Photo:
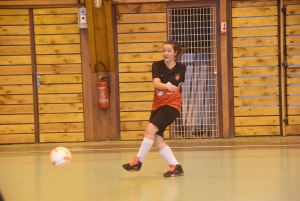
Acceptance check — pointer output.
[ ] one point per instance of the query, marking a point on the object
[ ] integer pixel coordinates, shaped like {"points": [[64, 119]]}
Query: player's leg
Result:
{"points": [[166, 152], [170, 114], [159, 121], [136, 164]]}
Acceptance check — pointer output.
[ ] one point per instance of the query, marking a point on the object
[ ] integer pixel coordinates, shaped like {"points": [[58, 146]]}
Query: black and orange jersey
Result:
{"points": [[174, 76]]}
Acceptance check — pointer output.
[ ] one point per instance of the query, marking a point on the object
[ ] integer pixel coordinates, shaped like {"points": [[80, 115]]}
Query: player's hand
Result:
{"points": [[172, 88]]}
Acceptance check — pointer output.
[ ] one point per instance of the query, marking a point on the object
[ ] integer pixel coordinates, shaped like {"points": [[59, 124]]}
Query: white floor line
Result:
{"points": [[189, 147]]}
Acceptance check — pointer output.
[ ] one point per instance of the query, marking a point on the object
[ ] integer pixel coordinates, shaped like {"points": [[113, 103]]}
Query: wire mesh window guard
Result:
{"points": [[195, 30]]}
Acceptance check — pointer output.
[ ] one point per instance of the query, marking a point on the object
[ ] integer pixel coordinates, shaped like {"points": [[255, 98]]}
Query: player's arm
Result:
{"points": [[162, 86]]}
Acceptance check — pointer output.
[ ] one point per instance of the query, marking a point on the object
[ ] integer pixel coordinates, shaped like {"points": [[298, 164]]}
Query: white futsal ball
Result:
{"points": [[60, 156]]}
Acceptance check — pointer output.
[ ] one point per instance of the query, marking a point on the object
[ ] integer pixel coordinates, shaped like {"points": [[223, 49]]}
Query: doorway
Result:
{"points": [[195, 29]]}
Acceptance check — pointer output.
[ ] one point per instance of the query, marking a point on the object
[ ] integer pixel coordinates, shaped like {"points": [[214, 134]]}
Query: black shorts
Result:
{"points": [[163, 117]]}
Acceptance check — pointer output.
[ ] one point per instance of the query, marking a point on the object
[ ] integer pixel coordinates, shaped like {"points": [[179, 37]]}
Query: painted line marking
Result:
{"points": [[188, 147]]}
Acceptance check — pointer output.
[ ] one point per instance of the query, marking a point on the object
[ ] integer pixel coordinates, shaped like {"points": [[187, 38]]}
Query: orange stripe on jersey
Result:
{"points": [[165, 97]]}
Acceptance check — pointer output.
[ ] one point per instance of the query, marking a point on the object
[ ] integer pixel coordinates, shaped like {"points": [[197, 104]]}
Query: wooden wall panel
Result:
{"points": [[255, 12], [256, 121], [139, 77], [19, 89], [57, 29], [11, 40], [14, 50], [54, 11], [248, 31], [16, 92], [59, 68], [16, 99], [53, 19], [63, 108], [60, 98], [135, 67], [138, 38], [58, 60], [137, 106], [145, 86], [253, 21], [16, 69], [140, 28], [139, 47], [57, 39], [134, 116], [293, 100], [19, 79], [293, 40], [61, 78], [133, 125], [142, 8], [15, 60], [16, 109], [61, 127], [55, 89], [14, 20], [140, 1], [141, 33], [255, 81], [255, 92], [17, 138], [257, 131], [54, 49], [14, 30], [146, 57], [37, 2], [17, 120], [292, 73], [265, 71], [255, 42], [243, 101], [9, 129], [293, 20], [247, 111], [255, 62], [143, 18], [62, 137], [137, 96], [292, 129]]}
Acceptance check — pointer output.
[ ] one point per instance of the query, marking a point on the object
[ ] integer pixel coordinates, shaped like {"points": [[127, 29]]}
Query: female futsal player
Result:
{"points": [[167, 74]]}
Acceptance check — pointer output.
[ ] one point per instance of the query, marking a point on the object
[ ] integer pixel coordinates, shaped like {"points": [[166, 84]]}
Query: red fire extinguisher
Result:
{"points": [[103, 88], [103, 92]]}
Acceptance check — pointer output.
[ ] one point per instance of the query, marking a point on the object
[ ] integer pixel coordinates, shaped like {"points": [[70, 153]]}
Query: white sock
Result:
{"points": [[145, 148], [168, 155]]}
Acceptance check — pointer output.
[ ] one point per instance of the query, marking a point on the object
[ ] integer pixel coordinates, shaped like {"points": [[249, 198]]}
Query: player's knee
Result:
{"points": [[150, 130]]}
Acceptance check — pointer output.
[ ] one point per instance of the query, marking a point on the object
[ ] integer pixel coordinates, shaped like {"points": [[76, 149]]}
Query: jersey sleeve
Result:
{"points": [[155, 70]]}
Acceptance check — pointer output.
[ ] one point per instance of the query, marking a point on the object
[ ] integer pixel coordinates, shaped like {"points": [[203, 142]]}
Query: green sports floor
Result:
{"points": [[239, 169]]}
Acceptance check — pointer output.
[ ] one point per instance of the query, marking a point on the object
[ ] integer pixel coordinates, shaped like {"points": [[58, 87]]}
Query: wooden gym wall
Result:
{"points": [[291, 38], [266, 92], [48, 41], [58, 60], [37, 2], [16, 99], [141, 31], [255, 67]]}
